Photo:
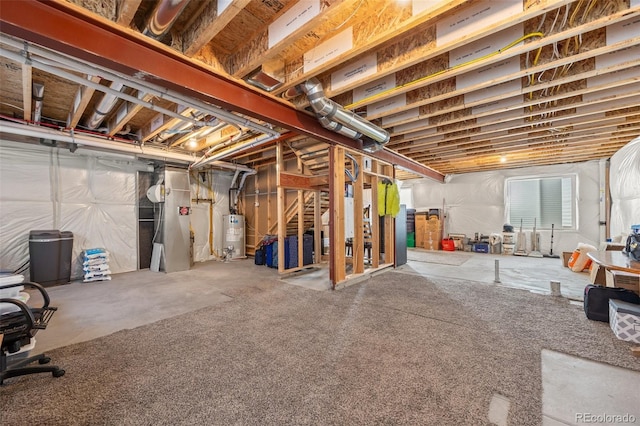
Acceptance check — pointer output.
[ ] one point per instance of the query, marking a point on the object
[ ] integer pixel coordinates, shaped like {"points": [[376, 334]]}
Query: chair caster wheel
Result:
{"points": [[58, 373], [45, 360]]}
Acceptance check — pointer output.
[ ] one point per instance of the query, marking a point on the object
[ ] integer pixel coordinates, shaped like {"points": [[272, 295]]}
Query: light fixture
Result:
{"points": [[503, 159], [192, 143]]}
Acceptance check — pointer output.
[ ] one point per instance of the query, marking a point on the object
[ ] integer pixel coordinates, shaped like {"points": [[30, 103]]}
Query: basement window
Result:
{"points": [[547, 201]]}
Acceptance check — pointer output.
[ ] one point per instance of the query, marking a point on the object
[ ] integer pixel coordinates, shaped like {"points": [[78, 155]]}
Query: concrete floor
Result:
{"points": [[91, 310]]}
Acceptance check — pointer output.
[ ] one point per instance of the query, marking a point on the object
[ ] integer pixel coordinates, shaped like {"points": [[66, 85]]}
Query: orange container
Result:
{"points": [[448, 244]]}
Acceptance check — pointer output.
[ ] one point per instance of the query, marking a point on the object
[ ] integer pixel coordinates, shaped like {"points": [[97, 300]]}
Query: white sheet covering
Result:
{"points": [[625, 189], [474, 202], [51, 188]]}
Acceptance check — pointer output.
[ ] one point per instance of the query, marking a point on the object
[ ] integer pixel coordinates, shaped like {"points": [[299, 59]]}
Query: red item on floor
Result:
{"points": [[448, 244]]}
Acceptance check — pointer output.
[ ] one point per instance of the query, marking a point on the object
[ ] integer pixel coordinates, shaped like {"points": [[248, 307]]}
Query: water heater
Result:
{"points": [[234, 234]]}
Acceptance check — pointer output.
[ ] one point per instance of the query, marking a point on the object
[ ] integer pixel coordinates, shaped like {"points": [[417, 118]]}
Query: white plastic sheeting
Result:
{"points": [[624, 185], [94, 197], [475, 202]]}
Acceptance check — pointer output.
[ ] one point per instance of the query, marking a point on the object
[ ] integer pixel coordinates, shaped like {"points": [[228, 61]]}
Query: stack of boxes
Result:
{"points": [[428, 231]]}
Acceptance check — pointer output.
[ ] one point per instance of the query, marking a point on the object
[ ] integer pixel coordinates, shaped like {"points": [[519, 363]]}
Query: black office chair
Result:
{"points": [[17, 328]]}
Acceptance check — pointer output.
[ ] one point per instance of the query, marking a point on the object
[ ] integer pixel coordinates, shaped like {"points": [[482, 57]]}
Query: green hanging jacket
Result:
{"points": [[388, 199]]}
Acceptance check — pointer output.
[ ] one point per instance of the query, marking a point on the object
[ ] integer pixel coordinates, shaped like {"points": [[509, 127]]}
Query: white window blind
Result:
{"points": [[541, 201]]}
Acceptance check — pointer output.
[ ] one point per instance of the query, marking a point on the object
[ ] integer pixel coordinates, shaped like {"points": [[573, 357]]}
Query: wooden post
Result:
{"points": [[318, 244], [300, 219], [281, 217], [358, 221], [375, 219], [336, 223]]}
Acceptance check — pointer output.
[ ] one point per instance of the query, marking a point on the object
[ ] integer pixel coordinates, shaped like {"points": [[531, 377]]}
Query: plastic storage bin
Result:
{"points": [[50, 256]]}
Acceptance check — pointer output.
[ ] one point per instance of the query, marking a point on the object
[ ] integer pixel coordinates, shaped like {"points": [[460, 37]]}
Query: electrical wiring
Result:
{"points": [[430, 76]]}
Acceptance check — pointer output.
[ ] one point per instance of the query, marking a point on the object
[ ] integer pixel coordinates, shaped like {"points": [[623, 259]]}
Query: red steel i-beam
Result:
{"points": [[69, 29]]}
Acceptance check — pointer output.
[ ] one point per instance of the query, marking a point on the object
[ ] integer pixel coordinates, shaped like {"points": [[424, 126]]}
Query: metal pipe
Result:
{"points": [[230, 151], [81, 80], [147, 87], [104, 106], [96, 142], [164, 15], [325, 107], [92, 141], [338, 128], [38, 96]]}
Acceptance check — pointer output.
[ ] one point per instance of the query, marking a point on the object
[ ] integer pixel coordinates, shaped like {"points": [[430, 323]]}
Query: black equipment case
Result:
{"points": [[596, 300]]}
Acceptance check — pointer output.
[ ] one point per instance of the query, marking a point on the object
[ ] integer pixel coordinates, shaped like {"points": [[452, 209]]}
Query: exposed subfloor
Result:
{"points": [[90, 310]]}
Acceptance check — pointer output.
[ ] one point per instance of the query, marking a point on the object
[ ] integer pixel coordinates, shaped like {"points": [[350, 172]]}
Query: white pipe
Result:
{"points": [[244, 177], [230, 151], [95, 142], [235, 177], [147, 87], [92, 141], [80, 80]]}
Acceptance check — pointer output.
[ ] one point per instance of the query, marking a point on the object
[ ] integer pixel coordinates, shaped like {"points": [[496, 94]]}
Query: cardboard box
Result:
{"points": [[622, 279], [432, 245], [434, 225], [566, 255], [597, 274]]}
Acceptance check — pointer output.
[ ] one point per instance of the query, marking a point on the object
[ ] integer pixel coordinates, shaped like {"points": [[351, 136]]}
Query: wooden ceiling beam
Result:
{"points": [[126, 10], [105, 44], [256, 51], [208, 24], [457, 152], [81, 101], [448, 73], [521, 130], [412, 50], [634, 91], [447, 108]]}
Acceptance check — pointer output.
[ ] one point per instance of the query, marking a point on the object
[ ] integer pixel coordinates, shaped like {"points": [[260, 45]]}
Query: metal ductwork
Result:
{"points": [[38, 97], [104, 106], [163, 17], [334, 117]]}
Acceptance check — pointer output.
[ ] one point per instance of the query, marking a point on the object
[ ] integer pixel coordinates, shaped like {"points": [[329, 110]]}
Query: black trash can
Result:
{"points": [[50, 256]]}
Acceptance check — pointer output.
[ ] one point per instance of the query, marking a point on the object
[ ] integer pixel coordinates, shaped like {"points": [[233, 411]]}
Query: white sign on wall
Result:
{"points": [[497, 106], [408, 127], [388, 120], [480, 15], [356, 71], [330, 49], [507, 88], [624, 30], [373, 88], [294, 18], [422, 133], [387, 104]]}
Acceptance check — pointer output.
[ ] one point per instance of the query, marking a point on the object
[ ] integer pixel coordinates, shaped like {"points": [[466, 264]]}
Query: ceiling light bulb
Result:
{"points": [[503, 159], [192, 143]]}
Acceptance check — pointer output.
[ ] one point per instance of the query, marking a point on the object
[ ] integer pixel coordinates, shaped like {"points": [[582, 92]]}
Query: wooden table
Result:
{"points": [[615, 260]]}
